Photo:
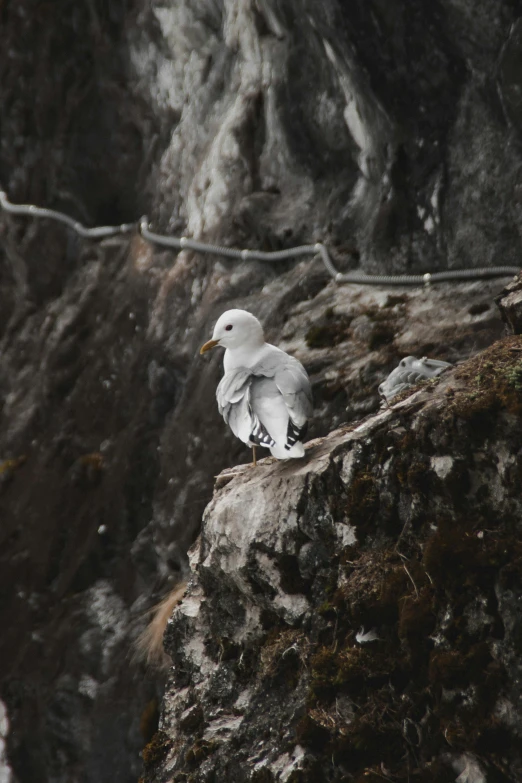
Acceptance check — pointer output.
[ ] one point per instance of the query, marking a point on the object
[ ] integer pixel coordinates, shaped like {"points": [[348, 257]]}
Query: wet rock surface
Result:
{"points": [[357, 613], [389, 131]]}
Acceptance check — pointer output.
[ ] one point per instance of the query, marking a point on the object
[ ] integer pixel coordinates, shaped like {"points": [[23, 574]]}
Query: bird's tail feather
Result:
{"points": [[281, 452]]}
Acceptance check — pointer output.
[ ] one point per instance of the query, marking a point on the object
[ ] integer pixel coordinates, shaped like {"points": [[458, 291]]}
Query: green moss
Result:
{"points": [[350, 666], [326, 608], [156, 750], [493, 381], [283, 655], [396, 682], [373, 586], [513, 376]]}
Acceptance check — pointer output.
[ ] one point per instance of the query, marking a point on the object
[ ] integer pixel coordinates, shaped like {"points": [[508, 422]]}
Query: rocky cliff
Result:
{"points": [[357, 616], [388, 130]]}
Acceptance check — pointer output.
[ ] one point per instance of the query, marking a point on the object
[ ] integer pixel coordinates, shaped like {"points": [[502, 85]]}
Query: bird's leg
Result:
{"points": [[254, 462]]}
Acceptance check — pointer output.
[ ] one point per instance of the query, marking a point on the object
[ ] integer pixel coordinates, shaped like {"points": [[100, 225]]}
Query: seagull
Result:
{"points": [[409, 372], [265, 395]]}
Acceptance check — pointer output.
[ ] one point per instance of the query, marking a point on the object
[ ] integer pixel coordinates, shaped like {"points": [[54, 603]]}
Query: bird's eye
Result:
{"points": [[228, 328]]}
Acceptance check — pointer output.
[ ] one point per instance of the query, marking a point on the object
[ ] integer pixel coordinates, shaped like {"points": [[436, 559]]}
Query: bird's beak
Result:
{"points": [[210, 344]]}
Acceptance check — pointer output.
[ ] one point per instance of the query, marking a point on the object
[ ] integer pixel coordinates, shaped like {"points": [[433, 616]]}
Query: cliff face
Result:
{"points": [[388, 130], [358, 615]]}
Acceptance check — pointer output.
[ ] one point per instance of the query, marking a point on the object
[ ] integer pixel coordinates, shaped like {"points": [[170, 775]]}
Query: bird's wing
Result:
{"points": [[288, 379], [234, 402], [232, 389], [293, 383]]}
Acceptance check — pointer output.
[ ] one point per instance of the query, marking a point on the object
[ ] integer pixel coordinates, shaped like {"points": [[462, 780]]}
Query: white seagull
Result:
{"points": [[265, 395]]}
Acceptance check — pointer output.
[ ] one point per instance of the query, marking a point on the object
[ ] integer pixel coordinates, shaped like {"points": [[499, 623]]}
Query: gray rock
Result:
{"points": [[510, 304]]}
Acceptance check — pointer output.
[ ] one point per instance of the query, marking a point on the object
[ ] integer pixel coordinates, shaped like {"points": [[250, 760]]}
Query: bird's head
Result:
{"points": [[235, 329]]}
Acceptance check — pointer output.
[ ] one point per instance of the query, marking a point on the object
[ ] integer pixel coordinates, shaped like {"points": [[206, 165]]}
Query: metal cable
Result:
{"points": [[94, 233], [184, 243], [428, 277]]}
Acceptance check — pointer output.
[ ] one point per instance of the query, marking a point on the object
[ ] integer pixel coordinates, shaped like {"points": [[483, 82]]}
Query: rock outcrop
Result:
{"points": [[357, 614], [389, 130], [510, 303]]}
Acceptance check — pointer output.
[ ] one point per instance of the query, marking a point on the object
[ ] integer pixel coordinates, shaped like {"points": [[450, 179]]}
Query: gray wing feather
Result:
{"points": [[293, 383], [239, 418], [234, 398], [277, 373], [233, 388]]}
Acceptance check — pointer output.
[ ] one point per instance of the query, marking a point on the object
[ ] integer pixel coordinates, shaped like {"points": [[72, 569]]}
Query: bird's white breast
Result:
{"points": [[244, 356]]}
